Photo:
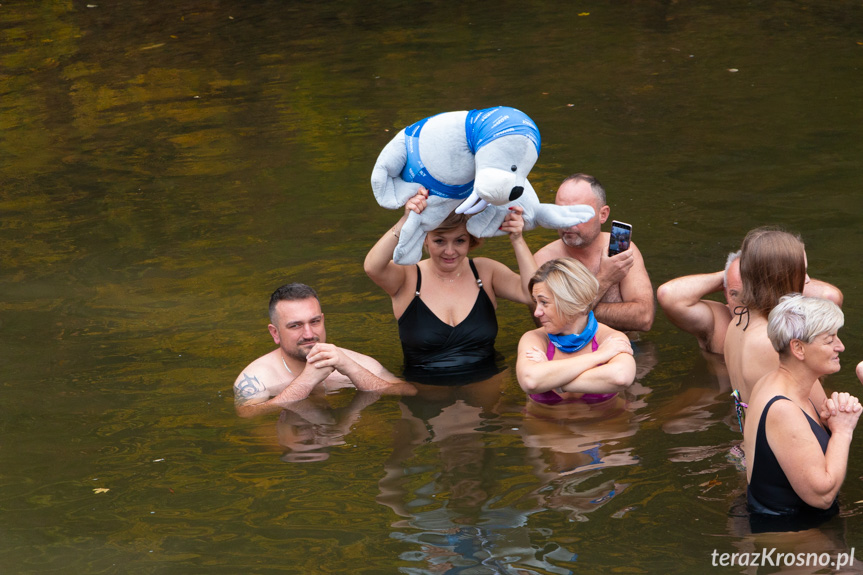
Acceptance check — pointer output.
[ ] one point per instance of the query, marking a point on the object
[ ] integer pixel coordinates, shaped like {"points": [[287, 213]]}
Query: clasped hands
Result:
{"points": [[840, 410], [324, 359]]}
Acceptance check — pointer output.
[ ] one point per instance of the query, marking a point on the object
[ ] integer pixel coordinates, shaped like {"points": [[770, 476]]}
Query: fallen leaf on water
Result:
{"points": [[101, 490], [584, 14]]}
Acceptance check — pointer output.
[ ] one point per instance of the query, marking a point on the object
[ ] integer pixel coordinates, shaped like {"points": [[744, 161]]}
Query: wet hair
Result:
{"points": [[804, 318], [290, 292], [573, 288], [454, 221], [772, 264], [732, 257], [595, 186]]}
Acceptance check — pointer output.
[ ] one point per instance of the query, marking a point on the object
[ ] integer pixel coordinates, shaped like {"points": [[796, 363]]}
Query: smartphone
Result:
{"points": [[621, 236]]}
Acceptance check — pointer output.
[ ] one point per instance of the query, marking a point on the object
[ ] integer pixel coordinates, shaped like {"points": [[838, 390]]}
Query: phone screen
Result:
{"points": [[621, 236]]}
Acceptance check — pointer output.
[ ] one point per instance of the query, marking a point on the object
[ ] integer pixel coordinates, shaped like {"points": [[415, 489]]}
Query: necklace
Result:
{"points": [[286, 365], [450, 280]]}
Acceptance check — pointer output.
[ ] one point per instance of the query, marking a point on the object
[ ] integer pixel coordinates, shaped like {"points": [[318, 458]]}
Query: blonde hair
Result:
{"points": [[804, 318], [573, 288]]}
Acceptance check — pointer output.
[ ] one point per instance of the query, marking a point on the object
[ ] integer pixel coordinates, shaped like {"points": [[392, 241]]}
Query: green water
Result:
{"points": [[165, 165]]}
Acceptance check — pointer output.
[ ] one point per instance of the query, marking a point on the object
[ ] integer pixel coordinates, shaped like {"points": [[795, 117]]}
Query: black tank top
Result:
{"points": [[769, 490], [433, 347]]}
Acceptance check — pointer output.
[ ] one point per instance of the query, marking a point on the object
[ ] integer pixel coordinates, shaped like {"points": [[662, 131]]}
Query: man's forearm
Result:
{"points": [[625, 316], [364, 380], [298, 390], [687, 291]]}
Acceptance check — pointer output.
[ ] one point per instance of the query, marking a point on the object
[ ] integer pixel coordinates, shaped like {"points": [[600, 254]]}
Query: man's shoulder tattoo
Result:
{"points": [[247, 388]]}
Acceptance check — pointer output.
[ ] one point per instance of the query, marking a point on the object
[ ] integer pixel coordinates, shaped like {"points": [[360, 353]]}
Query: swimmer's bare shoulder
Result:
{"points": [[551, 251], [260, 381]]}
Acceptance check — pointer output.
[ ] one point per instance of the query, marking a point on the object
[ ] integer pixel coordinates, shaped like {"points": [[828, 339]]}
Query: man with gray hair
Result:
{"points": [[303, 361], [682, 300], [625, 298]]}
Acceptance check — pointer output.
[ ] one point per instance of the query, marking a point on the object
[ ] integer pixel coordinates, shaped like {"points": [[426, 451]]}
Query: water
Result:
{"points": [[165, 165]]}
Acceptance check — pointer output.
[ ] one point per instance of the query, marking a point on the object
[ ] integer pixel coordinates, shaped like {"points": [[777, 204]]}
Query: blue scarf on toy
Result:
{"points": [[575, 341], [481, 127]]}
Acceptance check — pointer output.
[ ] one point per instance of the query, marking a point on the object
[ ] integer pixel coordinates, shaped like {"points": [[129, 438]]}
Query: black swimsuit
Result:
{"points": [[769, 490], [434, 348]]}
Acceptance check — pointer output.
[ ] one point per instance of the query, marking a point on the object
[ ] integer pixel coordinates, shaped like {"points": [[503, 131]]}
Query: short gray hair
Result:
{"points": [[732, 257], [805, 318], [595, 186]]}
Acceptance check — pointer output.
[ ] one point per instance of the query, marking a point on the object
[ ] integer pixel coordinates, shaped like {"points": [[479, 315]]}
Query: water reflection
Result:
{"points": [[307, 428], [706, 386], [571, 447], [464, 507], [814, 550], [458, 480]]}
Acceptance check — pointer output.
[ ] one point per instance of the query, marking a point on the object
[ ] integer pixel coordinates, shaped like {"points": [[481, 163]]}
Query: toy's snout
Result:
{"points": [[498, 186]]}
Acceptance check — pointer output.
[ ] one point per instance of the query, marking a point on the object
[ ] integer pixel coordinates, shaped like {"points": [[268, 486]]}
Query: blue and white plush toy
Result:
{"points": [[472, 162]]}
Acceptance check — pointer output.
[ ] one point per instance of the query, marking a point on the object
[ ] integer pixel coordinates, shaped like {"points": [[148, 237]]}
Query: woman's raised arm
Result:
{"points": [[379, 264], [506, 283]]}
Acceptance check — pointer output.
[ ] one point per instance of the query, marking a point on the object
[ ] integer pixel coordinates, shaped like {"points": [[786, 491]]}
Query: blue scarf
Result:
{"points": [[575, 341]]}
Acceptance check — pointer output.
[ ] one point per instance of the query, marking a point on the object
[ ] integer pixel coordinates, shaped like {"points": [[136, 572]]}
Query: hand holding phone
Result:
{"points": [[621, 237]]}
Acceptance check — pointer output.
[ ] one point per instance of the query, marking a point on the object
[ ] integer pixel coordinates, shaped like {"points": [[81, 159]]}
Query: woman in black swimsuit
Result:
{"points": [[445, 305], [796, 451]]}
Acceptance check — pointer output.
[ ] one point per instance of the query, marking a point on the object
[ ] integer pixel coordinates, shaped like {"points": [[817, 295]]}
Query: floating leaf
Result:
{"points": [[101, 490]]}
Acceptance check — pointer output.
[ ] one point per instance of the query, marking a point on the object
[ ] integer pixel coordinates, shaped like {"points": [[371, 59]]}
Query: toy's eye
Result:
{"points": [[513, 168]]}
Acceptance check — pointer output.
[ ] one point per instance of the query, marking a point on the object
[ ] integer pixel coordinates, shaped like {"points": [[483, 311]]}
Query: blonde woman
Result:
{"points": [[572, 358]]}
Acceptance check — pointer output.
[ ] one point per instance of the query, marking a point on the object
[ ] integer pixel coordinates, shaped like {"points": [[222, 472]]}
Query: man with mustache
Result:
{"points": [[304, 361], [625, 298]]}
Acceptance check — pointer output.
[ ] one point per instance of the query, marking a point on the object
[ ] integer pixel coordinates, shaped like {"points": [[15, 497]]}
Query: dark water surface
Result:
{"points": [[165, 165]]}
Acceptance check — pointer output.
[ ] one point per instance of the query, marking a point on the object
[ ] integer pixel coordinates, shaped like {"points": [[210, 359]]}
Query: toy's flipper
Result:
{"points": [[409, 250], [487, 223], [561, 217], [390, 190]]}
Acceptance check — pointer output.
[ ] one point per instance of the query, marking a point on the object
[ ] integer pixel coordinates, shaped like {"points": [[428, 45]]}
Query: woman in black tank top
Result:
{"points": [[445, 305], [796, 451]]}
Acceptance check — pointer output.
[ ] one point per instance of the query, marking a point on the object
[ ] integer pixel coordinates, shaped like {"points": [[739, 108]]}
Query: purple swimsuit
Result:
{"points": [[551, 397]]}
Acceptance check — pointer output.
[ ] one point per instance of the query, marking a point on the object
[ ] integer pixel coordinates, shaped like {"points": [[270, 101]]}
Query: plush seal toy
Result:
{"points": [[473, 162]]}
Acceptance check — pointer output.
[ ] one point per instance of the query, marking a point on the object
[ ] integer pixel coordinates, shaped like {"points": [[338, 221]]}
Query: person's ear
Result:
{"points": [[795, 346], [604, 211], [275, 333]]}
